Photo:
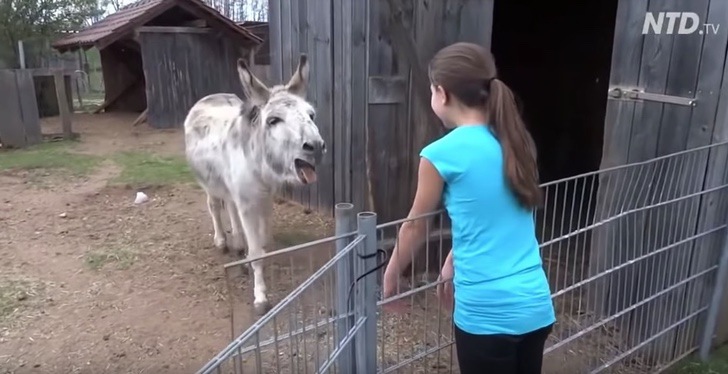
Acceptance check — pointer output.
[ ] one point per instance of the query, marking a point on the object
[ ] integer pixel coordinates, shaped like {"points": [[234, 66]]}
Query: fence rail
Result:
{"points": [[635, 257]]}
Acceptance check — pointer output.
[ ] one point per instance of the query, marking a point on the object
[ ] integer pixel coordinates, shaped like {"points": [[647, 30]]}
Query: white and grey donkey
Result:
{"points": [[242, 151]]}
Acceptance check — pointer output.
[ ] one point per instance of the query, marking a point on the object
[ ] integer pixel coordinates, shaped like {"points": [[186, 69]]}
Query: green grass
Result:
{"points": [[138, 169], [147, 169], [49, 156], [122, 257], [718, 364], [14, 294]]}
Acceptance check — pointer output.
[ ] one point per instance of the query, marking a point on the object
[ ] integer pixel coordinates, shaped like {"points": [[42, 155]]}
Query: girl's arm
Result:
{"points": [[412, 233]]}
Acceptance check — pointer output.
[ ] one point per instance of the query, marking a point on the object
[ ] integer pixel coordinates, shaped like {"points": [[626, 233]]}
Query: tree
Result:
{"points": [[45, 19]]}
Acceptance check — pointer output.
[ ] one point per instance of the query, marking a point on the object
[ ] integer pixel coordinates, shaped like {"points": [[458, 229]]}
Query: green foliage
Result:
{"points": [[23, 19]]}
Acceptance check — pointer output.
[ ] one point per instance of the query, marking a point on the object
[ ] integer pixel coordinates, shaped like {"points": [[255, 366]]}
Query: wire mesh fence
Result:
{"points": [[634, 255]]}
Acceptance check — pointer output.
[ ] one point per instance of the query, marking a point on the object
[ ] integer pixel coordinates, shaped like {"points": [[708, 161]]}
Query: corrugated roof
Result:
{"points": [[137, 14]]}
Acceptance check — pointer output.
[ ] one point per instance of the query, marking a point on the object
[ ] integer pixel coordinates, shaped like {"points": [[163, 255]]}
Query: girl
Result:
{"points": [[485, 170]]}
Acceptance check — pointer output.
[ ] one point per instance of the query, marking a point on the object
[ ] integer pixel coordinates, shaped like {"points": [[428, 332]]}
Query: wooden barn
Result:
{"points": [[598, 89], [160, 56], [370, 87]]}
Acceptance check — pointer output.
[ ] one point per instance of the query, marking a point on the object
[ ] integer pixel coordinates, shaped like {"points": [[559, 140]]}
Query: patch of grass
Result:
{"points": [[49, 156], [718, 364], [14, 295], [122, 257], [293, 237], [147, 169]]}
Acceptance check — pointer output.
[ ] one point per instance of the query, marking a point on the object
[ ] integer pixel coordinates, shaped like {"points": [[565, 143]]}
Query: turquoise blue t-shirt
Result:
{"points": [[499, 282]]}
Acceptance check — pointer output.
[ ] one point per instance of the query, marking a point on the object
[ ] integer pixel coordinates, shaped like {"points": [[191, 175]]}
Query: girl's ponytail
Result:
{"points": [[519, 149]]}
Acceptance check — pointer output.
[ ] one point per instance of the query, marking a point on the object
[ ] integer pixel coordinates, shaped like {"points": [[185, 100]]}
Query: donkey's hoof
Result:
{"points": [[221, 244], [242, 252], [261, 308]]}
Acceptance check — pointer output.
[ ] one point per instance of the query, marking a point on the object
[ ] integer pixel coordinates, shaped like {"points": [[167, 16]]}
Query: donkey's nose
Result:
{"points": [[314, 146], [317, 148]]}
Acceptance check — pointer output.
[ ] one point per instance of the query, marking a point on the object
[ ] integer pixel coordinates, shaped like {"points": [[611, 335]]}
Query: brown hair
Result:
{"points": [[467, 71]]}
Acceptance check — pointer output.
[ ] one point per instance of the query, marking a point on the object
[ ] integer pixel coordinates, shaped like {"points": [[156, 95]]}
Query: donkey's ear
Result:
{"points": [[299, 80], [254, 89]]}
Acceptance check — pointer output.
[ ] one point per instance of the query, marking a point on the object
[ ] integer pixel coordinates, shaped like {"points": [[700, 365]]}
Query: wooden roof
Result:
{"points": [[120, 24], [260, 29]]}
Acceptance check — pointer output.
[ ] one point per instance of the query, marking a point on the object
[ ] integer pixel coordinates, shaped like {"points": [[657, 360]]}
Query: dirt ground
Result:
{"points": [[92, 283]]}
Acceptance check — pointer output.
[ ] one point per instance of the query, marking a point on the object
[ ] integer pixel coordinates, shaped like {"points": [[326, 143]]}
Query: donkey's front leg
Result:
{"points": [[257, 236]]}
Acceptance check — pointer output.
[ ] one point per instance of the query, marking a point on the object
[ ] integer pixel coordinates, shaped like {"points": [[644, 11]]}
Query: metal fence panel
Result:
{"points": [[632, 263]]}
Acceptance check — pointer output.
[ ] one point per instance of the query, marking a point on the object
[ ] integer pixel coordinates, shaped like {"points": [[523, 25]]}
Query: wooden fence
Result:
{"points": [[23, 102], [19, 123]]}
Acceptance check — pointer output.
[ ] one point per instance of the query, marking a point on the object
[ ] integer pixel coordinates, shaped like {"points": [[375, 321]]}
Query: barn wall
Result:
{"points": [[684, 66], [400, 121], [181, 68], [362, 87], [123, 78], [297, 27]]}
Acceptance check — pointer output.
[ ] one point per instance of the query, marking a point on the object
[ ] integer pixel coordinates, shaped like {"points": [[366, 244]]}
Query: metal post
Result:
{"points": [[344, 214], [21, 54], [366, 259], [721, 279]]}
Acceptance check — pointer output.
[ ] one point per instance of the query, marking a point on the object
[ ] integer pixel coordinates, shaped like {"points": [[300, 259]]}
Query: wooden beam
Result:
{"points": [[196, 23], [63, 108], [174, 29], [116, 97], [142, 118]]}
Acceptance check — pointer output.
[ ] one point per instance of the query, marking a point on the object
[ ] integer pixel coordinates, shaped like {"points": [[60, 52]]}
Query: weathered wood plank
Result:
{"points": [[342, 100], [468, 21], [626, 66], [708, 123], [12, 129], [387, 90], [28, 107], [674, 222], [322, 197], [305, 22], [176, 77], [359, 69], [276, 39], [65, 111], [381, 121]]}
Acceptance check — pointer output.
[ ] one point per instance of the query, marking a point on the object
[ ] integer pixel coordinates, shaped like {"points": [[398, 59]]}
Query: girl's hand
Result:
{"points": [[389, 288], [445, 290]]}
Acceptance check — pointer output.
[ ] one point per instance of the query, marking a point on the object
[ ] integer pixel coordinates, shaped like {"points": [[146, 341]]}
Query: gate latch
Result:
{"points": [[640, 95]]}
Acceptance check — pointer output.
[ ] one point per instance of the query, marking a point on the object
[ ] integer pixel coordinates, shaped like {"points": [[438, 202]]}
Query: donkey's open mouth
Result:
{"points": [[306, 171]]}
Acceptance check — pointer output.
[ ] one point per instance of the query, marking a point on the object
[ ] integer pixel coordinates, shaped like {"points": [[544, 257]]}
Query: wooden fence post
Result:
{"points": [[63, 109]]}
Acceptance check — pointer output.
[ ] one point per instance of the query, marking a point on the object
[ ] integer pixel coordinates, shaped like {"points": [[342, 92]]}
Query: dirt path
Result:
{"points": [[92, 283]]}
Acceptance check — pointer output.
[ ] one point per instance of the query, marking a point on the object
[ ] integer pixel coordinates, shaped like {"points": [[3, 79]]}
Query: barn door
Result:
{"points": [[665, 86]]}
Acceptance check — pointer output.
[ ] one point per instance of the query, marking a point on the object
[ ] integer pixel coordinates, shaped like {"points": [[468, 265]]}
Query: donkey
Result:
{"points": [[242, 151]]}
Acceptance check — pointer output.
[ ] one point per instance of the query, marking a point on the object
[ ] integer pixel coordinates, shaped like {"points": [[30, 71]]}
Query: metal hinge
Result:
{"points": [[637, 94]]}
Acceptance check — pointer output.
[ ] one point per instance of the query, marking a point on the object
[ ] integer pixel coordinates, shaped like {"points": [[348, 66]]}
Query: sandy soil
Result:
{"points": [[103, 285]]}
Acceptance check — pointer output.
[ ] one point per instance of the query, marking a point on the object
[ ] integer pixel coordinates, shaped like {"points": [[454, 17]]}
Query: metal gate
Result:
{"points": [[635, 255]]}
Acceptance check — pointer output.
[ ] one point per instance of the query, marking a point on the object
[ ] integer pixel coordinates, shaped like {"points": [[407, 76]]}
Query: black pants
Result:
{"points": [[501, 354]]}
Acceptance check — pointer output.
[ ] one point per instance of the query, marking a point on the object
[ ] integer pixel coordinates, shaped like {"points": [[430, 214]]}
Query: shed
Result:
{"points": [[570, 64], [159, 56], [261, 30]]}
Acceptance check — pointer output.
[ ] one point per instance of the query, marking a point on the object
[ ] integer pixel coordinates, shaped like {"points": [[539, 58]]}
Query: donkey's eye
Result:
{"points": [[312, 116], [272, 121]]}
